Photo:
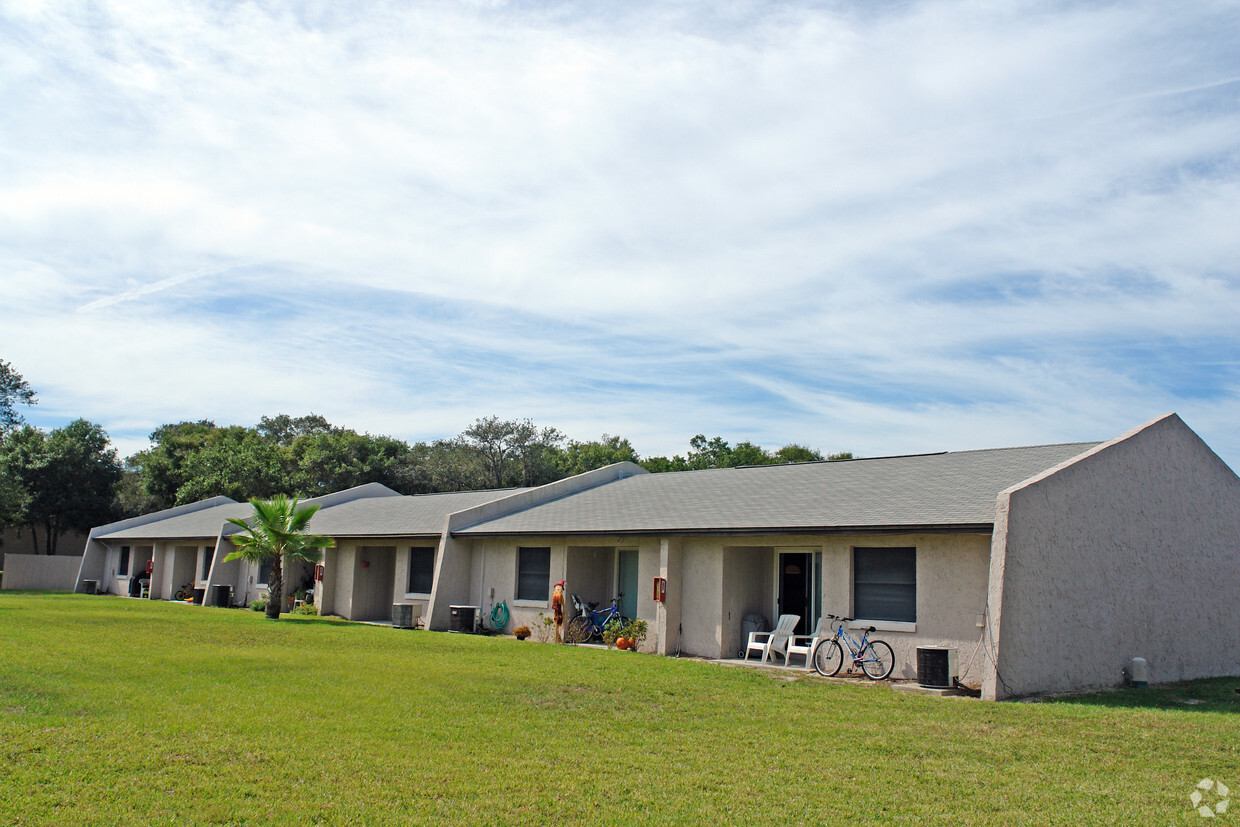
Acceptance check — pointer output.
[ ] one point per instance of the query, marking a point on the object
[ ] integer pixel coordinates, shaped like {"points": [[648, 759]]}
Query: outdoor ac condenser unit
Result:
{"points": [[937, 667]]}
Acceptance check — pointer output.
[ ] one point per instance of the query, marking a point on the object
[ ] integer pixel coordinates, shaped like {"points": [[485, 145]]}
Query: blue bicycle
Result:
{"points": [[590, 623], [873, 656]]}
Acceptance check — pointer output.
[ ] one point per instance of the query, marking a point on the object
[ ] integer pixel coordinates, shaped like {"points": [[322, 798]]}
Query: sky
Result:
{"points": [[885, 227]]}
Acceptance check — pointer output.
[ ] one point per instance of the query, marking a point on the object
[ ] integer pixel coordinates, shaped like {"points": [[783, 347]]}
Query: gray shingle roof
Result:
{"points": [[195, 525], [368, 517], [930, 490], [398, 516]]}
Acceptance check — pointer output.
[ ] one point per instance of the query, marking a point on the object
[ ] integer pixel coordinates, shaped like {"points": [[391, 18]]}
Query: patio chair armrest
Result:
{"points": [[753, 637]]}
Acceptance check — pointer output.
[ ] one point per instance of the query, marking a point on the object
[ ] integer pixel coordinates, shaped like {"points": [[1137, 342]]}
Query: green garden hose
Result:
{"points": [[499, 617]]}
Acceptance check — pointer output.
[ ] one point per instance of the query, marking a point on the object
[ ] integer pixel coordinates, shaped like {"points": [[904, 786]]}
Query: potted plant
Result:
{"points": [[521, 632], [634, 633], [611, 631]]}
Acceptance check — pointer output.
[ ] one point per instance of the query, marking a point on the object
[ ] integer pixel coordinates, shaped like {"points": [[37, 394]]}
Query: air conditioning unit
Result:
{"points": [[937, 667], [462, 618], [402, 615]]}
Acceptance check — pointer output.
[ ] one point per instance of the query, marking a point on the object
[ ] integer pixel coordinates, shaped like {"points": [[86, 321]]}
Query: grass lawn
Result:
{"points": [[126, 711]]}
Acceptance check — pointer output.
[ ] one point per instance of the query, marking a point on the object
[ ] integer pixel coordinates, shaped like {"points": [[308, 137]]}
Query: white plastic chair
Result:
{"points": [[776, 641], [808, 643]]}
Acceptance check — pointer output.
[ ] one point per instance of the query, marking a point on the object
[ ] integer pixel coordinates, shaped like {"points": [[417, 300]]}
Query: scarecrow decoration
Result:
{"points": [[557, 609]]}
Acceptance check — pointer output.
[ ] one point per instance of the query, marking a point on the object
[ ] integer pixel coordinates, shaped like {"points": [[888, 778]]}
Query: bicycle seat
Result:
{"points": [[871, 629], [593, 605]]}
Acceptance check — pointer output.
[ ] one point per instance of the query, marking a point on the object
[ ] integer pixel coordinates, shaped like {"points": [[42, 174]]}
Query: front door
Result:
{"points": [[797, 577], [626, 580]]}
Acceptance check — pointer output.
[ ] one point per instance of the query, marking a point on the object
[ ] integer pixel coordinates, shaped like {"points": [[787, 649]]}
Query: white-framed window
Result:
{"points": [[421, 570], [206, 564], [885, 584], [122, 568], [533, 573], [264, 571]]}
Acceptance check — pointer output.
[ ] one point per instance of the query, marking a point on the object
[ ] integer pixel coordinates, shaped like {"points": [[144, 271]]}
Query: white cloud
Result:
{"points": [[908, 226]]}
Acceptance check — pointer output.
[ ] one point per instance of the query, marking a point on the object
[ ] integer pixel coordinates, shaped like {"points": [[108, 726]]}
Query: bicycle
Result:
{"points": [[873, 656], [590, 623], [186, 592]]}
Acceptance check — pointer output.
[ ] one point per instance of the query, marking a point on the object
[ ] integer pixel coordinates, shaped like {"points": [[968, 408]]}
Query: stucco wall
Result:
{"points": [[952, 577], [714, 582], [39, 571], [373, 575], [23, 541], [1131, 550], [701, 597], [746, 590]]}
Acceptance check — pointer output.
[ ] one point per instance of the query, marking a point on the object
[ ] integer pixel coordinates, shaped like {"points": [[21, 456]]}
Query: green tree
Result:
{"points": [[513, 451], [717, 453], [13, 391], [161, 468], [284, 430], [537, 454], [59, 482], [712, 453], [234, 462], [454, 465], [325, 461], [580, 457], [746, 453], [793, 452], [663, 465], [275, 531]]}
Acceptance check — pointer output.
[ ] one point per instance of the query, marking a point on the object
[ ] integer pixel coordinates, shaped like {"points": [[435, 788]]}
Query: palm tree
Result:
{"points": [[277, 530]]}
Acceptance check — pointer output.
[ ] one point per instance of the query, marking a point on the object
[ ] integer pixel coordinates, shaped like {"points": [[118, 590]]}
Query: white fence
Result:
{"points": [[38, 571]]}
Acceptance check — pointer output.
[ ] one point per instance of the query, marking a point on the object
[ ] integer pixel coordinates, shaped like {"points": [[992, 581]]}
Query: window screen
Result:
{"points": [[264, 570], [533, 573], [122, 568], [885, 584], [206, 564], [421, 570]]}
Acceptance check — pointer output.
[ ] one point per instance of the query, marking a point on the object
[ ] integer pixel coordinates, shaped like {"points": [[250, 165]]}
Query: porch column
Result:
{"points": [[667, 615]]}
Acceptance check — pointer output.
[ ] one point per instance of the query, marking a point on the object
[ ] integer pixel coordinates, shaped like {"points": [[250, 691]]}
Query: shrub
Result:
{"points": [[522, 632], [306, 609], [258, 605], [611, 631], [635, 630], [544, 628]]}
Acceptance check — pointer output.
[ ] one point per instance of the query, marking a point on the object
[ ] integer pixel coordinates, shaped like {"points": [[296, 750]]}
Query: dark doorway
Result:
{"points": [[626, 575], [796, 580]]}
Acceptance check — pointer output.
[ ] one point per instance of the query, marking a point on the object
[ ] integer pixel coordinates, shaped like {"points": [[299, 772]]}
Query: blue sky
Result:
{"points": [[878, 227]]}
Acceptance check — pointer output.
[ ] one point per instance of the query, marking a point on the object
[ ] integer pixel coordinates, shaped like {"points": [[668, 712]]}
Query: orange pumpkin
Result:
{"points": [[622, 643]]}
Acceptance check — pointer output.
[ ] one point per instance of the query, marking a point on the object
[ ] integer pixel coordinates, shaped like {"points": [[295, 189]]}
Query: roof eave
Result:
{"points": [[939, 528]]}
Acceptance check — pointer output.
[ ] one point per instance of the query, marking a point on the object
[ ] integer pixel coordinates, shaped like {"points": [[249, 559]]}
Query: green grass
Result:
{"points": [[126, 711]]}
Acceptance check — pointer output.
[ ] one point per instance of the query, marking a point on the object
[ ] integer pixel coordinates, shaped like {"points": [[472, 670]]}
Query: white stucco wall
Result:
{"points": [[1132, 549], [40, 571], [952, 577]]}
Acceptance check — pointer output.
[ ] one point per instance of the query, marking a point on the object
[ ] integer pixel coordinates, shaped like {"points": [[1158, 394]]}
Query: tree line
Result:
{"points": [[72, 479]]}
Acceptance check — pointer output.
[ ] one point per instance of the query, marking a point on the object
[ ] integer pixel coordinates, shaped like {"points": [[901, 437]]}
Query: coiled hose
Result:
{"points": [[499, 616]]}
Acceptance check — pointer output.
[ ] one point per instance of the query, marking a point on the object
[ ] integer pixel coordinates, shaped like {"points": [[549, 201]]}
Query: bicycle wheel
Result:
{"points": [[877, 660], [578, 630], [828, 658]]}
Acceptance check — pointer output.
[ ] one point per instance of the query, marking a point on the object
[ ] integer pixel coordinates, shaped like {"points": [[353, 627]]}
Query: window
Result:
{"points": [[264, 570], [122, 568], [885, 584], [533, 573], [206, 564], [421, 570]]}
